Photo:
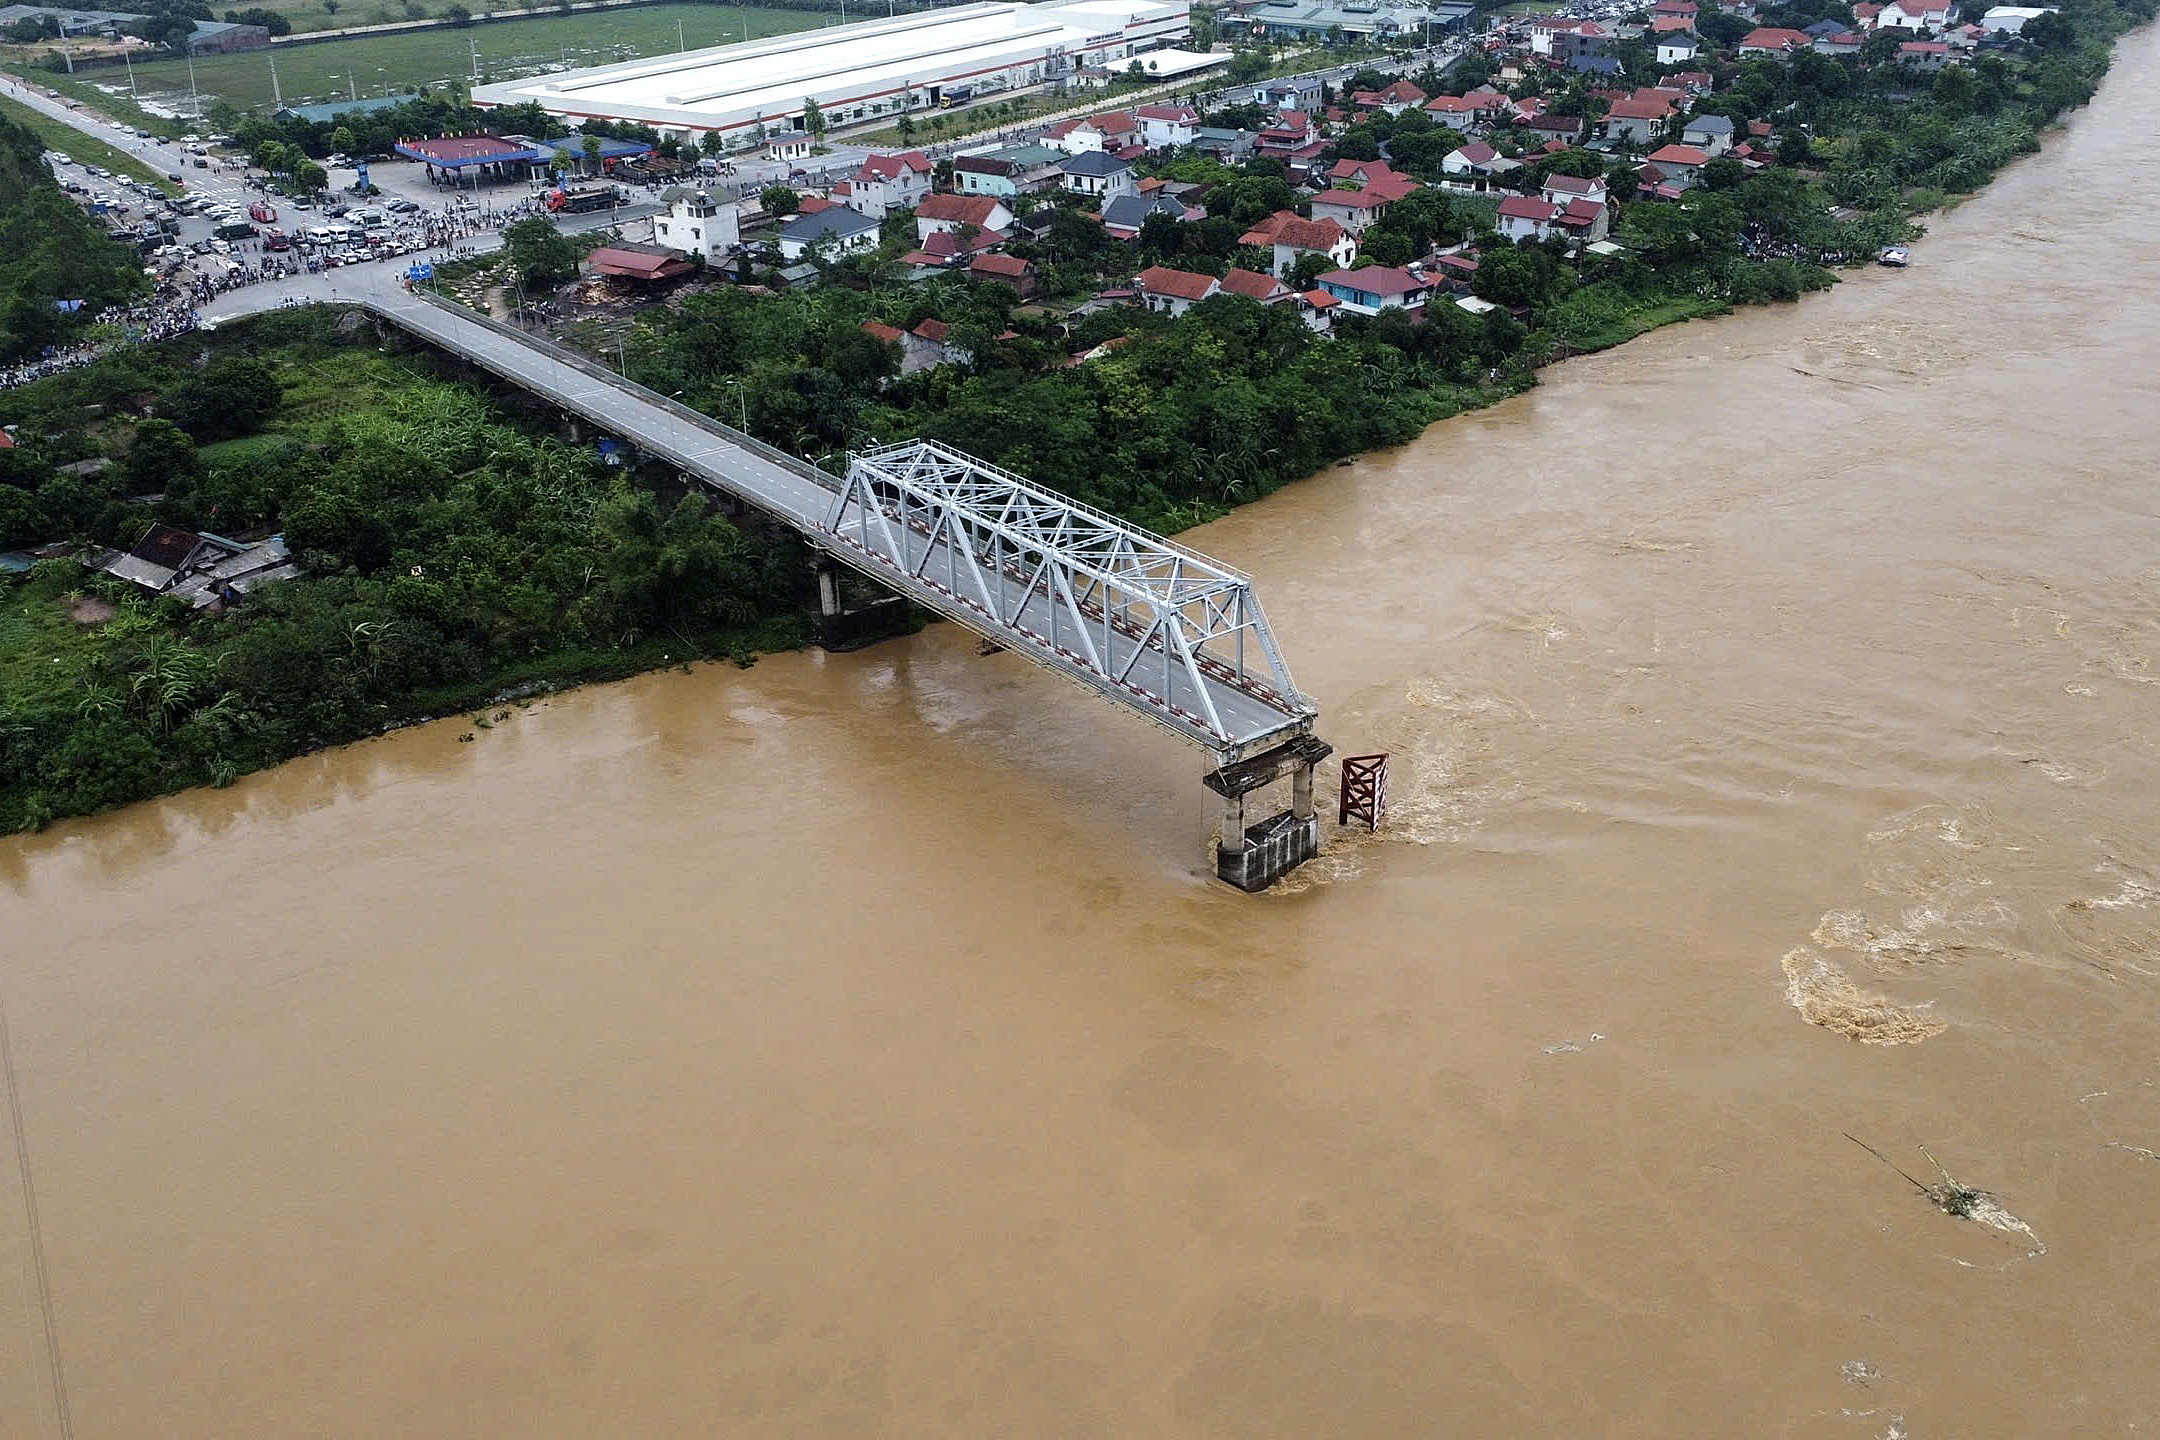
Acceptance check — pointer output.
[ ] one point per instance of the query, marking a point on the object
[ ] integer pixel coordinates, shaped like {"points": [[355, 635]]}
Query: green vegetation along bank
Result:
{"points": [[450, 555]]}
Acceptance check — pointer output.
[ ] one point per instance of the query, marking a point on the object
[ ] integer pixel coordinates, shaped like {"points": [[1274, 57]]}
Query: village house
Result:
{"points": [[1844, 42], [1291, 236], [1254, 286], [1008, 172], [1123, 215], [202, 569], [1093, 173], [1677, 47], [1773, 42], [1677, 165], [1231, 147], [1173, 292], [1691, 82], [1636, 120], [1458, 112], [1165, 126], [885, 183], [837, 229], [1376, 288], [1476, 166], [1316, 308], [1926, 55], [1913, 15], [1006, 270], [1114, 131], [1564, 128], [696, 224], [1711, 134], [1359, 209], [1566, 189], [1396, 98], [938, 213]]}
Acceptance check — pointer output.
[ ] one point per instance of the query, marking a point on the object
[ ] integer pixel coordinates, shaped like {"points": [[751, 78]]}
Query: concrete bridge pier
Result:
{"points": [[1253, 854]]}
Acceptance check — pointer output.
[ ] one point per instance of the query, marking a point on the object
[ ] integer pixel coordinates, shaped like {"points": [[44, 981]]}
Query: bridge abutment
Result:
{"points": [[1253, 854]]}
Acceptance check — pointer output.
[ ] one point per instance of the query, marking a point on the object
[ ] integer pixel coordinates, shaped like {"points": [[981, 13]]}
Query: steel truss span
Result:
{"points": [[1156, 627]]}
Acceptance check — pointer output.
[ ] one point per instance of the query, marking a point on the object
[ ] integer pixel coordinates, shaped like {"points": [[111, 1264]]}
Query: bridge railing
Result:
{"points": [[565, 356]]}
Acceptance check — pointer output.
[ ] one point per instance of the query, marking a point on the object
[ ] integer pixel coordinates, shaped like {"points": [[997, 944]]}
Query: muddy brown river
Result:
{"points": [[858, 1045]]}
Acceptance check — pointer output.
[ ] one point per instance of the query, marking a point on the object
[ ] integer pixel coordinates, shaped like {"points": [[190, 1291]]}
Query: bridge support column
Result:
{"points": [[1253, 855]]}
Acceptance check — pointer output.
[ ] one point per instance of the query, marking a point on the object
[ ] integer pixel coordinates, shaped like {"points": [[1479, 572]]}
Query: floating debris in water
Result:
{"points": [[1953, 1196]]}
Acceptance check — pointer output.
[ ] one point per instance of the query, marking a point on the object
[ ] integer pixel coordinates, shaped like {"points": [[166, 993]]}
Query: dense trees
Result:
{"points": [[50, 253], [445, 550]]}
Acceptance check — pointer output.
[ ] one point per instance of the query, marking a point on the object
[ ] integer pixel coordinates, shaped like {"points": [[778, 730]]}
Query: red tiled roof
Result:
{"points": [[1527, 207], [1182, 284], [1172, 113], [1284, 228], [1011, 267], [888, 167], [1923, 47], [958, 209], [1668, 24], [1774, 39], [638, 264], [1634, 108], [1678, 155], [934, 330], [1477, 152], [1320, 299], [1574, 185], [890, 334], [1451, 105], [1252, 284]]}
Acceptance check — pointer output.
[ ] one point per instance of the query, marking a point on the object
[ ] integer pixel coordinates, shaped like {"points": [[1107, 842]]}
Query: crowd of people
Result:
{"points": [[172, 313]]}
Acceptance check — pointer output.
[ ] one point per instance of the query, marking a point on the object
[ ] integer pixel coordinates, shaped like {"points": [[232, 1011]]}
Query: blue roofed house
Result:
{"points": [[1376, 288]]}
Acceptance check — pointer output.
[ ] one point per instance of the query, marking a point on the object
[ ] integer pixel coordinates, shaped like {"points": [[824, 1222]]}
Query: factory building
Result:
{"points": [[753, 92]]}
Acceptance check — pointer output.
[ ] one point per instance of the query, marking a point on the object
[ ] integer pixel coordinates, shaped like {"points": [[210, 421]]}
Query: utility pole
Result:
{"points": [[67, 50], [129, 61], [474, 42], [277, 97], [352, 86], [680, 43], [194, 95]]}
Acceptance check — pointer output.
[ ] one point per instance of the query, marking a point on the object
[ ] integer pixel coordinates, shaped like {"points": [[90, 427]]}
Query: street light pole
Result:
{"points": [[194, 95]]}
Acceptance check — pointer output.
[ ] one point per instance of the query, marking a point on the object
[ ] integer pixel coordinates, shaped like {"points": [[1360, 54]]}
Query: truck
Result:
{"points": [[957, 95], [277, 240], [578, 199], [262, 211], [235, 230]]}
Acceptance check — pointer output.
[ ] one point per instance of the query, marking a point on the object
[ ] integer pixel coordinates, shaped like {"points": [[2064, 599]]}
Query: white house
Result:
{"points": [[842, 232], [1091, 172], [885, 183], [1173, 292], [2012, 18], [697, 224], [1711, 134], [1163, 126], [1476, 165], [1291, 237], [950, 212], [1677, 47], [1913, 15]]}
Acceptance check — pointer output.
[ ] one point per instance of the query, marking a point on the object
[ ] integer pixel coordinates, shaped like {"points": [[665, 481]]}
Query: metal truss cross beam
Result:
{"points": [[1144, 621]]}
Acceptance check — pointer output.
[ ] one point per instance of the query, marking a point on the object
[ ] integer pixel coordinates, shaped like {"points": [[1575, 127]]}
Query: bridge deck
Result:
{"points": [[1231, 720]]}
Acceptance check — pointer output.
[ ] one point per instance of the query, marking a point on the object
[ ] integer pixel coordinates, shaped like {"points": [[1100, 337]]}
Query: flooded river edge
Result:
{"points": [[859, 1045]]}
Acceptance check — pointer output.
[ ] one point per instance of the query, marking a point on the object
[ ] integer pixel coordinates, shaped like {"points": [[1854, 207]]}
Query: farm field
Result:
{"points": [[369, 65]]}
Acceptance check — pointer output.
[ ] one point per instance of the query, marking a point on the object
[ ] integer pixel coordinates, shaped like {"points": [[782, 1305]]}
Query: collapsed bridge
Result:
{"points": [[1137, 619]]}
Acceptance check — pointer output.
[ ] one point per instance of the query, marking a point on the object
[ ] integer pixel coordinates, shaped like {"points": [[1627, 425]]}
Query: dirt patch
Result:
{"points": [[90, 610]]}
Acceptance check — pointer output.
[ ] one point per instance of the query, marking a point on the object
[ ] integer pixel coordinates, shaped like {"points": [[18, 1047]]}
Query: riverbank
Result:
{"points": [[450, 556]]}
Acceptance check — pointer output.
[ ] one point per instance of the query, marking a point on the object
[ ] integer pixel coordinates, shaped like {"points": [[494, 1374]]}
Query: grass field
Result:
{"points": [[86, 151], [337, 69]]}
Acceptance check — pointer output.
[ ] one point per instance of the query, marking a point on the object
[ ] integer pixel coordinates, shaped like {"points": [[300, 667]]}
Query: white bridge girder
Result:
{"points": [[1156, 627]]}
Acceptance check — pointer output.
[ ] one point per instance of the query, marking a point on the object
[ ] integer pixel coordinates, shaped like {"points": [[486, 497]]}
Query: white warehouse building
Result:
{"points": [[755, 90]]}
